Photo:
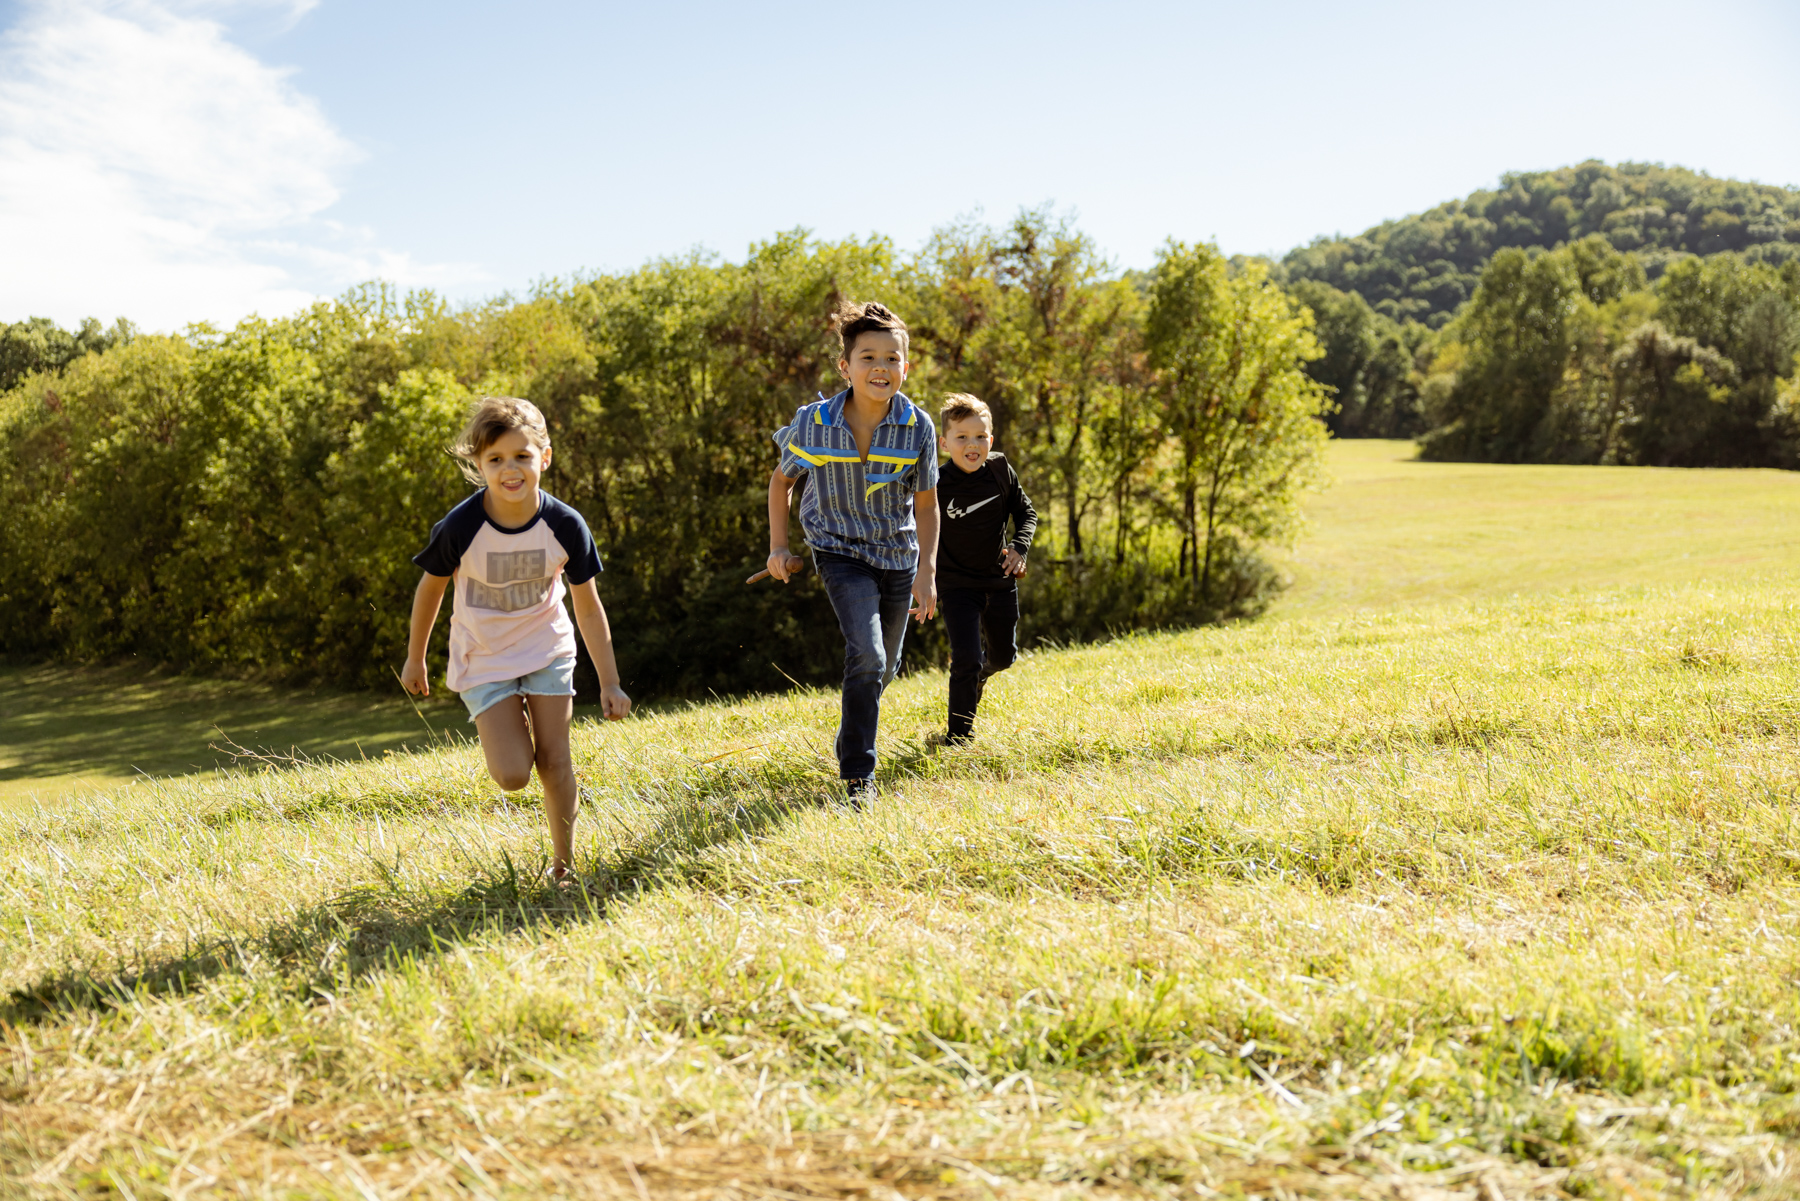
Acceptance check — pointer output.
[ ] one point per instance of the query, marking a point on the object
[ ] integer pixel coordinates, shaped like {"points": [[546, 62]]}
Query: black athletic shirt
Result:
{"points": [[973, 508]]}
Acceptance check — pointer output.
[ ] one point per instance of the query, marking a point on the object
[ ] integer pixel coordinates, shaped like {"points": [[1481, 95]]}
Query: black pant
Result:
{"points": [[967, 612]]}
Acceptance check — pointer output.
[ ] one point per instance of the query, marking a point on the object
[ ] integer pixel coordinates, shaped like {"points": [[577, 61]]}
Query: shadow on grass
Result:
{"points": [[329, 946]]}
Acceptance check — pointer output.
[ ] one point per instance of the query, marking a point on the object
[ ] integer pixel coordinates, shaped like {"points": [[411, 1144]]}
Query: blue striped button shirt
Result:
{"points": [[857, 508]]}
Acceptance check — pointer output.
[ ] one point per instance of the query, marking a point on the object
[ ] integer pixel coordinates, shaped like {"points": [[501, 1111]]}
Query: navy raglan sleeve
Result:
{"points": [[1023, 514], [571, 529], [450, 538]]}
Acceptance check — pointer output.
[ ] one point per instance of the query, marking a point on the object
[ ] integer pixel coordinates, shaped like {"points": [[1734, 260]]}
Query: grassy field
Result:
{"points": [[1394, 531], [68, 730], [1473, 871]]}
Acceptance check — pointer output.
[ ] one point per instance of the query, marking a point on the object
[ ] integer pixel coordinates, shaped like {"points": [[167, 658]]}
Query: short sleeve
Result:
{"points": [[926, 477], [792, 465], [450, 538], [571, 530]]}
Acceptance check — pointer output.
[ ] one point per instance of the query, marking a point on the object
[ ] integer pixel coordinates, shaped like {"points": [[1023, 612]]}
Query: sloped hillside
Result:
{"points": [[1470, 875], [1423, 266]]}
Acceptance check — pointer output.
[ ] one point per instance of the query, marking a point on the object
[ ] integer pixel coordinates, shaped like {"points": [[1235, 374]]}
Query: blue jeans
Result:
{"points": [[871, 604]]}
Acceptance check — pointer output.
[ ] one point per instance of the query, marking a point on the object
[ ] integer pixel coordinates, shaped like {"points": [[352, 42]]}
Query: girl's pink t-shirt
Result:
{"points": [[508, 618]]}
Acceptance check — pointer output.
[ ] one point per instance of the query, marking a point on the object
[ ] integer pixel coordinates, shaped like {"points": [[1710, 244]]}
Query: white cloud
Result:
{"points": [[151, 169]]}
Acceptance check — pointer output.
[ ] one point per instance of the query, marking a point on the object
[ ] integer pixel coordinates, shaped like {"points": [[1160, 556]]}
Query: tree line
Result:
{"points": [[249, 499], [1424, 267], [1573, 355], [1592, 314]]}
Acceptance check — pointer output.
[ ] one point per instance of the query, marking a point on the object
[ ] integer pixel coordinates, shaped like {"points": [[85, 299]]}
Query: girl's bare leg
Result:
{"points": [[506, 741], [550, 717]]}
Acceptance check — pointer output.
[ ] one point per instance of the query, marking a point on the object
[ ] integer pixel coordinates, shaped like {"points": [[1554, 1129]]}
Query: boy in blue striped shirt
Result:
{"points": [[870, 515]]}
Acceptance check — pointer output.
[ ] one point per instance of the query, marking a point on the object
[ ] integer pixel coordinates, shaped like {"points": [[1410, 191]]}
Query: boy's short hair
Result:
{"points": [[852, 320], [960, 406], [489, 418]]}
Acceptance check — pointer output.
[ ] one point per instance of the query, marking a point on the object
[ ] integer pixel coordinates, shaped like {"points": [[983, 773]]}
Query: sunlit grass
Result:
{"points": [[68, 730], [1394, 531], [1492, 891]]}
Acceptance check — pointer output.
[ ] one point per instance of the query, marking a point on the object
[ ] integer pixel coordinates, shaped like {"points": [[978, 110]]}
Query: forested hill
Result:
{"points": [[1423, 266]]}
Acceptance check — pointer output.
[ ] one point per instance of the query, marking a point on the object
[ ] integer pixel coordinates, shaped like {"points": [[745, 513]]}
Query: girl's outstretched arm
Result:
{"points": [[596, 631], [427, 597]]}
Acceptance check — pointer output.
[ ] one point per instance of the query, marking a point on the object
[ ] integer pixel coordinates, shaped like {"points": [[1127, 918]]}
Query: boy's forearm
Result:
{"points": [[928, 532], [781, 489], [1025, 518]]}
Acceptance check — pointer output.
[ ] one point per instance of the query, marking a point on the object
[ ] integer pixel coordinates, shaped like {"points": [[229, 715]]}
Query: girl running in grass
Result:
{"points": [[512, 648]]}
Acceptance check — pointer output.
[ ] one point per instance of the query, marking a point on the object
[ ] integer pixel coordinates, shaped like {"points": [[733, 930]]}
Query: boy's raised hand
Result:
{"points": [[614, 704], [414, 679]]}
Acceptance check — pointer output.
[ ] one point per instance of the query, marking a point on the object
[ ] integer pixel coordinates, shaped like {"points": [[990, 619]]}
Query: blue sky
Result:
{"points": [[178, 160]]}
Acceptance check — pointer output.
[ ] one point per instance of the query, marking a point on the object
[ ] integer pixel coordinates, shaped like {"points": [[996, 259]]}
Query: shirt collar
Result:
{"points": [[901, 410]]}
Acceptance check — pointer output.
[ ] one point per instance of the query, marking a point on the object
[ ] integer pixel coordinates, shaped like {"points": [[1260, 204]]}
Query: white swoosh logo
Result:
{"points": [[953, 511]]}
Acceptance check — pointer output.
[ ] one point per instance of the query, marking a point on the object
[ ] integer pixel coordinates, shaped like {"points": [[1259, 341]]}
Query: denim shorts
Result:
{"points": [[558, 679]]}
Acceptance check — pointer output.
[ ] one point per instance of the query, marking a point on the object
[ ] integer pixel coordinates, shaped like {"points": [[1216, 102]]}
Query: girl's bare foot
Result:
{"points": [[560, 877]]}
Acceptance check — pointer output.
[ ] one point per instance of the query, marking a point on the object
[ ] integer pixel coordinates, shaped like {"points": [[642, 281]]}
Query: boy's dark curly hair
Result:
{"points": [[851, 320]]}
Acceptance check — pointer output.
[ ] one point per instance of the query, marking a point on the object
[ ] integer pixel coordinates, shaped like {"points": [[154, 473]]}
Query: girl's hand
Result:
{"points": [[614, 704], [414, 679]]}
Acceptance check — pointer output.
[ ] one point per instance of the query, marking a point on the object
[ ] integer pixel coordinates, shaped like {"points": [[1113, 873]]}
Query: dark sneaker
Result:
{"points": [[949, 739], [859, 794]]}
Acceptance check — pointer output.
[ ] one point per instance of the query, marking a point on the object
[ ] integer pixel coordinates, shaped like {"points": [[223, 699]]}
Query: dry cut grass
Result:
{"points": [[1489, 897]]}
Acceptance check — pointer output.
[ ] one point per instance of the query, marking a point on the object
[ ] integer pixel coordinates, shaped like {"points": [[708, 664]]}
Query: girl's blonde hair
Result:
{"points": [[489, 418]]}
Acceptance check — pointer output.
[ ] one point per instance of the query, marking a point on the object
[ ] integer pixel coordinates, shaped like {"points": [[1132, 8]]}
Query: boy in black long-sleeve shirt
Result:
{"points": [[977, 565]]}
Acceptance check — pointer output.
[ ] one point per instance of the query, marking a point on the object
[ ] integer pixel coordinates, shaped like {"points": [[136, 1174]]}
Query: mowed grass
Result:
{"points": [[1394, 531], [1461, 890]]}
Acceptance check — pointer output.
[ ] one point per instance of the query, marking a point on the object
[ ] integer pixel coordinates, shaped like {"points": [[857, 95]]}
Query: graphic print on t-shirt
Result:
{"points": [[509, 619], [516, 580], [954, 510]]}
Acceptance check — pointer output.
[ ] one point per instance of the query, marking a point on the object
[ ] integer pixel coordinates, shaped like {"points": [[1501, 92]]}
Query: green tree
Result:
{"points": [[1367, 362], [39, 344], [1534, 382], [250, 499], [1677, 394], [1425, 266], [97, 473], [1230, 352], [392, 479]]}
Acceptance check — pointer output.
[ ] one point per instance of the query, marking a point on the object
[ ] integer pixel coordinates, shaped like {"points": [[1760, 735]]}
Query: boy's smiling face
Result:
{"points": [[876, 367], [511, 466], [967, 441]]}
